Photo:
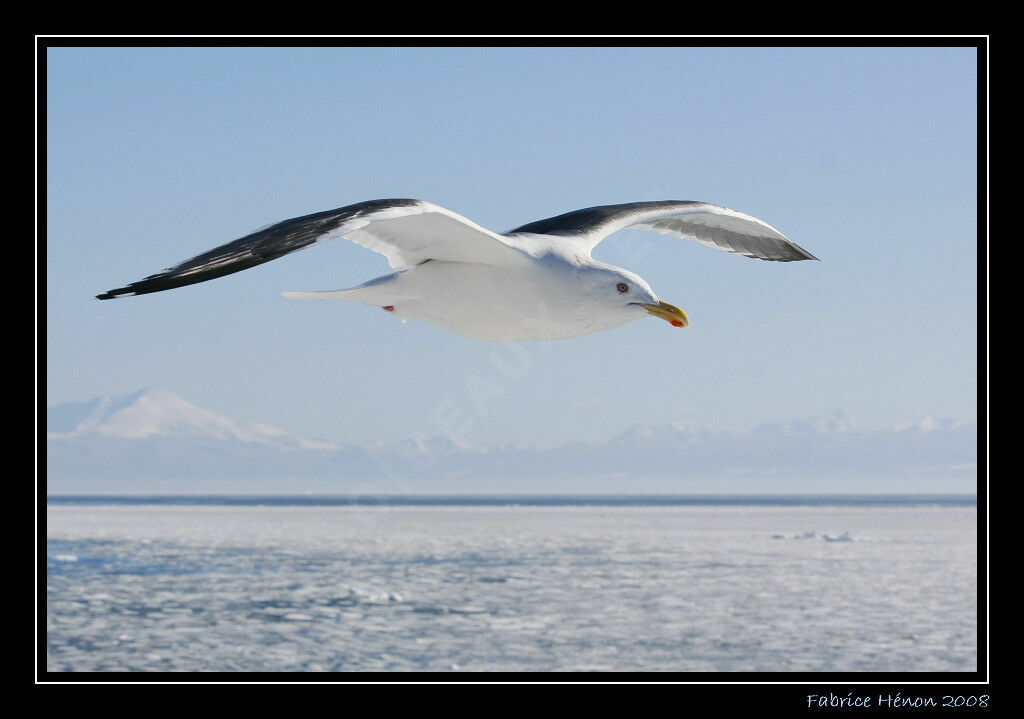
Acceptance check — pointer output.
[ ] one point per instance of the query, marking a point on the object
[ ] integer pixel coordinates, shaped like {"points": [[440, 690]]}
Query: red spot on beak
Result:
{"points": [[676, 323], [389, 308]]}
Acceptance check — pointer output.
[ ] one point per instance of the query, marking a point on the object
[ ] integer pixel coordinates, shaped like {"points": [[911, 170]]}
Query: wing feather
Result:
{"points": [[406, 232], [701, 221]]}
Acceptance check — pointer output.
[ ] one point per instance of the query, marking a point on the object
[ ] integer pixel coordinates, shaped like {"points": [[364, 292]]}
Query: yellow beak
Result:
{"points": [[670, 313]]}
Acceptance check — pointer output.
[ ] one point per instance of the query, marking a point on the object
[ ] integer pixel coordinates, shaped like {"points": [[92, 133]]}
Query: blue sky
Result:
{"points": [[866, 157]]}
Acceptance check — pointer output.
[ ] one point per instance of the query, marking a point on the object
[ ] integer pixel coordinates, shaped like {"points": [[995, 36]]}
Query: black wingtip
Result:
{"points": [[806, 255], [114, 294]]}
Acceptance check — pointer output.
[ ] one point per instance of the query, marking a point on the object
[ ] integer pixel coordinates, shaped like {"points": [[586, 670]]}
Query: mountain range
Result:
{"points": [[153, 441]]}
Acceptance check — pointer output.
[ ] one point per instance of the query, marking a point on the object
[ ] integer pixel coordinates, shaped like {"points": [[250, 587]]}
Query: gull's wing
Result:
{"points": [[406, 232], [709, 224]]}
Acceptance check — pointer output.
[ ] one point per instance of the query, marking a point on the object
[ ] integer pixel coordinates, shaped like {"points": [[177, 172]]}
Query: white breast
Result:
{"points": [[541, 301]]}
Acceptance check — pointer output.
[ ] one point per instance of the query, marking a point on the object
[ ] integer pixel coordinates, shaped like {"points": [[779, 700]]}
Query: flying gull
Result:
{"points": [[536, 282]]}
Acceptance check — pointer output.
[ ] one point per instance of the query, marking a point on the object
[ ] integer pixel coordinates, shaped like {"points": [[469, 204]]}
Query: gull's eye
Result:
{"points": [[622, 287]]}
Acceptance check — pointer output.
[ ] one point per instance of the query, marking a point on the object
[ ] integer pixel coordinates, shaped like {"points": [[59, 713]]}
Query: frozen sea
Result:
{"points": [[164, 586]]}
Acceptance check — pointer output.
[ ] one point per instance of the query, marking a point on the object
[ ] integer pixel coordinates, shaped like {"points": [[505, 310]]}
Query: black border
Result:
{"points": [[766, 692]]}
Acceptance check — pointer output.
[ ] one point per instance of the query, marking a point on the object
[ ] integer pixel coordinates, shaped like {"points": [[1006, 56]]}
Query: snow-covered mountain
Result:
{"points": [[154, 441], [159, 413]]}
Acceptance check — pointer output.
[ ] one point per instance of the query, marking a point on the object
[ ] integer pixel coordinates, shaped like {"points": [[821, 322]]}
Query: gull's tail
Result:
{"points": [[378, 291]]}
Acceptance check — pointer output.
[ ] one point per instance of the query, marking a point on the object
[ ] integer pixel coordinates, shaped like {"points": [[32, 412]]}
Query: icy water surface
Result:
{"points": [[530, 588]]}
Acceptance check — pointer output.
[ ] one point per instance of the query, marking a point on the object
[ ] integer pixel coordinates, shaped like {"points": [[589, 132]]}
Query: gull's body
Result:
{"points": [[537, 282], [539, 299]]}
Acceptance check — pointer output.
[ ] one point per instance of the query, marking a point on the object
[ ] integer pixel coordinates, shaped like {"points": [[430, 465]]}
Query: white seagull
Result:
{"points": [[536, 282]]}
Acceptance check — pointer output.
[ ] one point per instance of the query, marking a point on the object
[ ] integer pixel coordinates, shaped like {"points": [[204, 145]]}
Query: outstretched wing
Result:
{"points": [[709, 224], [406, 232]]}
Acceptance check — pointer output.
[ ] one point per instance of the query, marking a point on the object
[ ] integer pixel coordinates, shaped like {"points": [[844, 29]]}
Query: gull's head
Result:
{"points": [[626, 295]]}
